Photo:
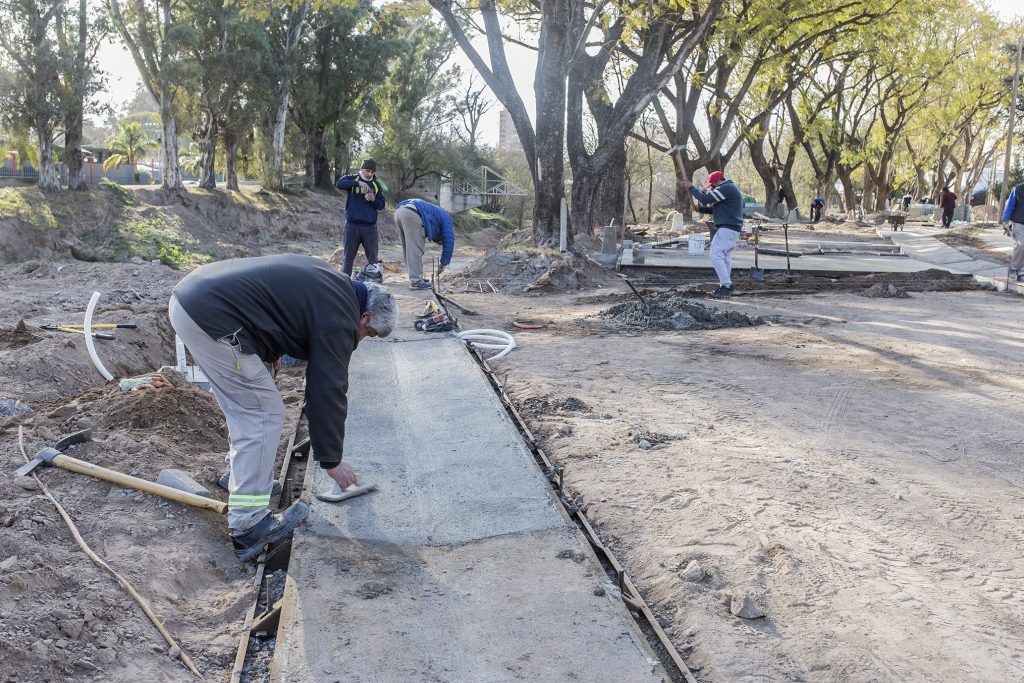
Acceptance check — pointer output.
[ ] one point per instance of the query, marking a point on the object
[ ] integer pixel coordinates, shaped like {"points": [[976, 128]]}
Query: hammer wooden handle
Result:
{"points": [[75, 465]]}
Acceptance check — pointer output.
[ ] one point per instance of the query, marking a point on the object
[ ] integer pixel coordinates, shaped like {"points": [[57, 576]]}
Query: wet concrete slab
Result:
{"points": [[461, 567], [807, 263]]}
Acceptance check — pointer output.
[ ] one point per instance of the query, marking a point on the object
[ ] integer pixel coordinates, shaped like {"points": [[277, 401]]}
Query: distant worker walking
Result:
{"points": [[365, 199], [418, 221], [947, 202], [238, 318], [724, 201], [1013, 218]]}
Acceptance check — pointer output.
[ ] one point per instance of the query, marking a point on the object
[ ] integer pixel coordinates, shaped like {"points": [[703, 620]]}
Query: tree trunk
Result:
{"points": [[849, 192], [73, 157], [49, 178], [598, 194], [549, 87], [169, 144], [231, 162], [208, 152]]}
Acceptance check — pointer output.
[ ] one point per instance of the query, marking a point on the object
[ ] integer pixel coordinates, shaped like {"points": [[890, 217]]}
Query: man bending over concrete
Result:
{"points": [[724, 201], [418, 221], [238, 318]]}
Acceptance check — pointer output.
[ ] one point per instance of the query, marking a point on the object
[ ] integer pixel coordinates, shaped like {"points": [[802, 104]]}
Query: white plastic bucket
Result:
{"points": [[696, 244]]}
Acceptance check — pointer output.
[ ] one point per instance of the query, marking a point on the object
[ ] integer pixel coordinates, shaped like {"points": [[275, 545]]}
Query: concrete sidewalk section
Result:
{"points": [[461, 567]]}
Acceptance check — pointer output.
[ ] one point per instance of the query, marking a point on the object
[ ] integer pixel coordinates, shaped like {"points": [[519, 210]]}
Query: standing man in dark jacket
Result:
{"points": [[947, 202], [1013, 218], [238, 318], [365, 199], [418, 221], [724, 201]]}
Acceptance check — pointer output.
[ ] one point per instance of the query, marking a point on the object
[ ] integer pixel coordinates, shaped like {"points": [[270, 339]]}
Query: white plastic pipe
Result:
{"points": [[489, 339], [87, 328]]}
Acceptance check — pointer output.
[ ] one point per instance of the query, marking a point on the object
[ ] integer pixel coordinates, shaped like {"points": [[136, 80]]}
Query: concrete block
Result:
{"points": [[178, 479]]}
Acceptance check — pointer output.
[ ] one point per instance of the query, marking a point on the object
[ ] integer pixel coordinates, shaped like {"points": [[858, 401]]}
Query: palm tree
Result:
{"points": [[129, 141]]}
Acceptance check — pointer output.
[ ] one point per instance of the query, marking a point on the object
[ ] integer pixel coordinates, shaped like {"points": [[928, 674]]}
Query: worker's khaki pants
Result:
{"points": [[414, 237], [253, 408], [1017, 257], [721, 254]]}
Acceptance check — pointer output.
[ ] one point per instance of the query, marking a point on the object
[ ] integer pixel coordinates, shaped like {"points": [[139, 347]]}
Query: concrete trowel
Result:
{"points": [[336, 494]]}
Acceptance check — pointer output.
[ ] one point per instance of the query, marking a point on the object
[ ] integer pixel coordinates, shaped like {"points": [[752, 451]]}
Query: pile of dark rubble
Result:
{"points": [[671, 311]]}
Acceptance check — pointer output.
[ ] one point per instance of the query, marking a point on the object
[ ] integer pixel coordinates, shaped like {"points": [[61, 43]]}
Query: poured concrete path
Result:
{"points": [[921, 251], [462, 567]]}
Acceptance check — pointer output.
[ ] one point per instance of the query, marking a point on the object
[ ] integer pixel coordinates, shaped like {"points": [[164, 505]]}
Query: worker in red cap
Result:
{"points": [[724, 201]]}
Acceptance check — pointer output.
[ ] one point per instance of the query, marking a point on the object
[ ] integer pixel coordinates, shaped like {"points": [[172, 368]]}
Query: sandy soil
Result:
{"points": [[64, 618], [853, 468]]}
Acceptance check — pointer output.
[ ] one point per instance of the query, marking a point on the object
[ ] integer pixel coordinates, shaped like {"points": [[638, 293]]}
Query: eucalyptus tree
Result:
{"points": [[342, 59], [216, 42], [80, 30], [31, 93], [152, 32], [413, 110]]}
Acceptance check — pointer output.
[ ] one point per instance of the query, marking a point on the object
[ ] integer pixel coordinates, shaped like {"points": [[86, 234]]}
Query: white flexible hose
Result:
{"points": [[87, 328], [499, 340]]}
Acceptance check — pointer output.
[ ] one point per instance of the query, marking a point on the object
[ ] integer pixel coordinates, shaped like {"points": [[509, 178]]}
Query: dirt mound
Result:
{"points": [[529, 270], [186, 409], [547, 405], [17, 336], [881, 291], [114, 223], [671, 311]]}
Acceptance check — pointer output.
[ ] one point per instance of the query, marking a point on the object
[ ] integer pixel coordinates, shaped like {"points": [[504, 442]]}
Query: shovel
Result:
{"points": [[757, 273]]}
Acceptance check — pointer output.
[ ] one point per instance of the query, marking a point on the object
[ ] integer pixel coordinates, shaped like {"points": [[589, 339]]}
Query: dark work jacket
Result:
{"points": [[286, 304], [947, 200], [724, 203], [357, 209]]}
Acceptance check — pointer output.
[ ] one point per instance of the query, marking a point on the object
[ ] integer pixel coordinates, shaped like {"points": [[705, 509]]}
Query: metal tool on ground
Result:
{"points": [[54, 457], [647, 306], [457, 305], [336, 494], [785, 231], [77, 329], [756, 272], [95, 326]]}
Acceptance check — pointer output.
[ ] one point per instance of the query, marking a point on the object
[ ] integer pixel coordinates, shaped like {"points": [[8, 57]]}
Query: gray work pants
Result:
{"points": [[721, 254], [253, 408], [1017, 257], [414, 237]]}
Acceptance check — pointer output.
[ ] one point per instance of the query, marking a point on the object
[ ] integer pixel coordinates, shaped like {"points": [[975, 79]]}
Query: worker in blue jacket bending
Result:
{"points": [[724, 201], [418, 221], [365, 199]]}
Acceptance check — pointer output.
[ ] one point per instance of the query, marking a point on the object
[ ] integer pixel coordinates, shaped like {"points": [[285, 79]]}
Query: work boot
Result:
{"points": [[419, 284], [722, 291], [270, 529], [226, 477], [1020, 277]]}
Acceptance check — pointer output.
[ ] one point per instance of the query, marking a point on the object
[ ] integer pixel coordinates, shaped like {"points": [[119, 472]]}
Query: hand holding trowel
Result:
{"points": [[344, 484]]}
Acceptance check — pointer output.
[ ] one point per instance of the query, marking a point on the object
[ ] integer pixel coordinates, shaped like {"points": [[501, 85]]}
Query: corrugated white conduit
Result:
{"points": [[489, 339], [87, 328]]}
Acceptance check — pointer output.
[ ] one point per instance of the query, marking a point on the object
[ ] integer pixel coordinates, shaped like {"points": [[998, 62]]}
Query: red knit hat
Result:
{"points": [[715, 177]]}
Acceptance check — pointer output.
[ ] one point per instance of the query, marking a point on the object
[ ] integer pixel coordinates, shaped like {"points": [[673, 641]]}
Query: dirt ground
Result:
{"points": [[844, 452], [853, 467]]}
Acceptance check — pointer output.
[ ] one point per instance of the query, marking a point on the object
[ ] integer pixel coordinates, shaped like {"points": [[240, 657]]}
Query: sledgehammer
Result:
{"points": [[54, 457]]}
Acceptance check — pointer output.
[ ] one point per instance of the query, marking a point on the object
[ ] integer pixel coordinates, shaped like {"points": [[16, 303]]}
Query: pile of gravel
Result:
{"points": [[671, 311]]}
